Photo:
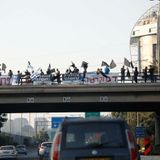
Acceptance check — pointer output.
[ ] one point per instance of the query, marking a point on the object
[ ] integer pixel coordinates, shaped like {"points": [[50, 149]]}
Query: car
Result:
{"points": [[44, 150], [8, 152], [21, 149], [94, 139]]}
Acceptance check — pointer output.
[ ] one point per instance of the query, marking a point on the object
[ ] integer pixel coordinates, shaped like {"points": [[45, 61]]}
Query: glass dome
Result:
{"points": [[149, 17]]}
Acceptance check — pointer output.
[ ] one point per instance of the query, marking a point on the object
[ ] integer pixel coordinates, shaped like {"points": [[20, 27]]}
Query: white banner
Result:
{"points": [[93, 78], [4, 80], [43, 79], [90, 78]]}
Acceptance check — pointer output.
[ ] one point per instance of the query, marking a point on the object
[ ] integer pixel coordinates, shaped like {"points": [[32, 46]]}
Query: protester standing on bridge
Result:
{"points": [[151, 73], [136, 74], [27, 76], [128, 73], [85, 66], [41, 72], [145, 74], [10, 74], [19, 75], [107, 70], [58, 75], [122, 74]]}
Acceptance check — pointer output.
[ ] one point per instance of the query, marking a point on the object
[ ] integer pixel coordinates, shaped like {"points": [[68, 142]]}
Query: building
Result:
{"points": [[143, 40]]}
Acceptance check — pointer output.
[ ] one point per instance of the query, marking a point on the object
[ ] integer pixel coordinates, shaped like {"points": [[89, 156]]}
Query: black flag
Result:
{"points": [[84, 64], [131, 64], [104, 64]]}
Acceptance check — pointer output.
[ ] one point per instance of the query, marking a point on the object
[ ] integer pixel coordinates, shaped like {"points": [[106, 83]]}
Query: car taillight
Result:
{"points": [[56, 146], [132, 145]]}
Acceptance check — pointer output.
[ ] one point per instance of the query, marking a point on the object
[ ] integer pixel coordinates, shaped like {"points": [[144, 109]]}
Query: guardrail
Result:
{"points": [[26, 80], [140, 79]]}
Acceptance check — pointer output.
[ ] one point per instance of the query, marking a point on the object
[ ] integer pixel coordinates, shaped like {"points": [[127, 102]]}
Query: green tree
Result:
{"points": [[41, 136], [146, 119], [5, 139]]}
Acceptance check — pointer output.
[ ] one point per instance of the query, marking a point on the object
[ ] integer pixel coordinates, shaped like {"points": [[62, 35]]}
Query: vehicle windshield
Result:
{"points": [[90, 135]]}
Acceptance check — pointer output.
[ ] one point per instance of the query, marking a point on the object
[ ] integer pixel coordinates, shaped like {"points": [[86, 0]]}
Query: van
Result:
{"points": [[94, 139]]}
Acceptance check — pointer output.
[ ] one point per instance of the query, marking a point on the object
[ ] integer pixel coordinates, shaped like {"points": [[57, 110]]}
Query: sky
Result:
{"points": [[59, 32]]}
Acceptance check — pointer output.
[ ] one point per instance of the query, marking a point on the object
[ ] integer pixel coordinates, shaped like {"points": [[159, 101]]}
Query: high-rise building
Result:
{"points": [[144, 42]]}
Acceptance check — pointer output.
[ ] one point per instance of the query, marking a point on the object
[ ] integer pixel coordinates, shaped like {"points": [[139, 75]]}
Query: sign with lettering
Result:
{"points": [[43, 79], [140, 132], [90, 78], [94, 78], [71, 77]]}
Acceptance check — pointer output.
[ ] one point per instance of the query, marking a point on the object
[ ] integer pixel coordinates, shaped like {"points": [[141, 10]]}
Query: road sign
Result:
{"points": [[56, 121], [92, 114], [140, 132]]}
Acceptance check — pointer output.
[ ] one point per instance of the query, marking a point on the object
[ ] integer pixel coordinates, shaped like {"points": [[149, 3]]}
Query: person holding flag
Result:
{"points": [[107, 69], [85, 66]]}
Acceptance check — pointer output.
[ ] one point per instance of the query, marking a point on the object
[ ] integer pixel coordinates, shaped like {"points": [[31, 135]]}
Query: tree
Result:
{"points": [[3, 119], [41, 136], [6, 139], [146, 119]]}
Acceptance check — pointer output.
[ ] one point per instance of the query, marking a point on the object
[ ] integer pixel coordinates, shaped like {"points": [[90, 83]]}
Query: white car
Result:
{"points": [[8, 151]]}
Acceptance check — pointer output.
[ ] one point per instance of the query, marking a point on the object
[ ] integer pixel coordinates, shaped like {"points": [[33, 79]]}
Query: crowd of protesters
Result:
{"points": [[148, 74], [55, 76]]}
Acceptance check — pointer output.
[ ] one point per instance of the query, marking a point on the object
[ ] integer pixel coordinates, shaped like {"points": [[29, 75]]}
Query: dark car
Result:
{"points": [[21, 149], [94, 139], [44, 150]]}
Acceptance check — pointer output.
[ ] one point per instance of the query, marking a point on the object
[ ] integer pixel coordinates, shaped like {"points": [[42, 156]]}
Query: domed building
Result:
{"points": [[143, 41]]}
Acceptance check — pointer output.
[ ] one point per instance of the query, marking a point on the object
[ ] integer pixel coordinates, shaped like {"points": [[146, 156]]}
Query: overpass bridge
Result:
{"points": [[80, 98]]}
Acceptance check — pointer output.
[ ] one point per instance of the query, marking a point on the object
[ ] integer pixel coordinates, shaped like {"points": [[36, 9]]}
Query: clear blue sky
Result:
{"points": [[61, 31]]}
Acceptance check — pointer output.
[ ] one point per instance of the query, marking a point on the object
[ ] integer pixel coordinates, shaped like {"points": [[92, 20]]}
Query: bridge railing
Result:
{"points": [[140, 79], [26, 80]]}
